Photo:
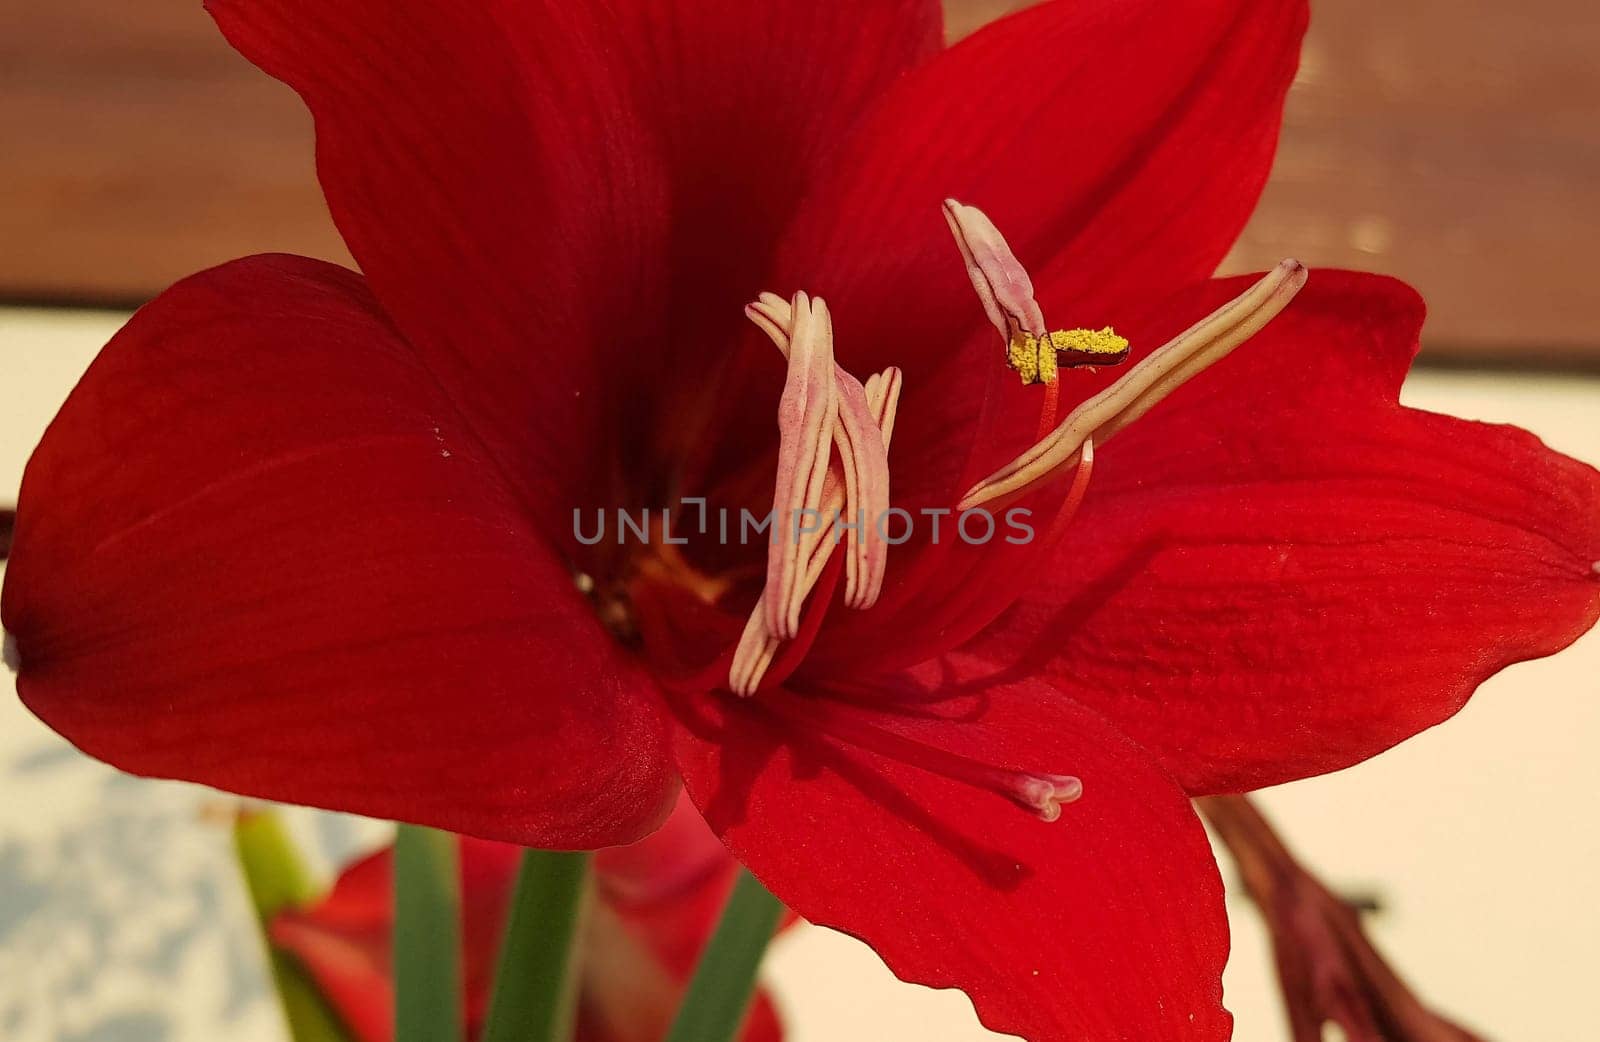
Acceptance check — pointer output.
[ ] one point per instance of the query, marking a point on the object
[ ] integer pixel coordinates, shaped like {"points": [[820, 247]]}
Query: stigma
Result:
{"points": [[1045, 794]]}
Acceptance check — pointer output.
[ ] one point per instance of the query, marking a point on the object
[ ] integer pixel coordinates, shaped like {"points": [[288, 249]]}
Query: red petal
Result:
{"points": [[751, 101], [764, 91], [258, 549], [525, 183], [1280, 572], [1106, 924], [1120, 146], [489, 175]]}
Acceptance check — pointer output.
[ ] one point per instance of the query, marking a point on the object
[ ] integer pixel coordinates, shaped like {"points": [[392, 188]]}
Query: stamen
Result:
{"points": [[1000, 279], [792, 654], [772, 314], [884, 389], [807, 413], [964, 614], [866, 475], [824, 407], [758, 648], [1164, 371], [880, 402], [754, 654], [1043, 794], [864, 461], [1006, 292]]}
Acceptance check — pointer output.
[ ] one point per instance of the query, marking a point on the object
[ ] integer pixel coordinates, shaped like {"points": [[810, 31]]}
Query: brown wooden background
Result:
{"points": [[1453, 142]]}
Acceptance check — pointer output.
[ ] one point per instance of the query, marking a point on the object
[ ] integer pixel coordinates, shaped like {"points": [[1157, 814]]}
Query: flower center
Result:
{"points": [[834, 432]]}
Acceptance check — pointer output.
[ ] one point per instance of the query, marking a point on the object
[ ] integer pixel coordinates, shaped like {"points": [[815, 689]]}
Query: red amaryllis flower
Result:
{"points": [[655, 904], [310, 535]]}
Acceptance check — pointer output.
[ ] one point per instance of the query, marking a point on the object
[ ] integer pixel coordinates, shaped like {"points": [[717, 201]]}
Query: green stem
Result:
{"points": [[535, 985], [725, 980], [278, 881], [427, 936]]}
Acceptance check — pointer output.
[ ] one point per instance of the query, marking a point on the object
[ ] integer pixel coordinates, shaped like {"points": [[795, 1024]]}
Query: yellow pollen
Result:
{"points": [[1089, 346], [1023, 355], [1035, 359]]}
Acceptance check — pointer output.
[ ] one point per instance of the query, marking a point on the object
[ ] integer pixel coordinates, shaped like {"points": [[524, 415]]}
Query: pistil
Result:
{"points": [[1040, 793]]}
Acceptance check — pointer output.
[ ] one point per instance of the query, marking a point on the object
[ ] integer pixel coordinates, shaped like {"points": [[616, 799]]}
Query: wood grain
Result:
{"points": [[140, 148], [1452, 142]]}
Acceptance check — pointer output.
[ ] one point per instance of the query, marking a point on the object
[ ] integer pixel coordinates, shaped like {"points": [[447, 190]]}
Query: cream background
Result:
{"points": [[121, 919]]}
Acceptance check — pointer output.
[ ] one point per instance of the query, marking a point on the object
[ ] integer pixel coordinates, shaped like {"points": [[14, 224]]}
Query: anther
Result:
{"points": [[807, 413], [1037, 360], [1002, 283], [1080, 347], [864, 465], [858, 426], [1164, 371], [754, 655], [1006, 292], [758, 648]]}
